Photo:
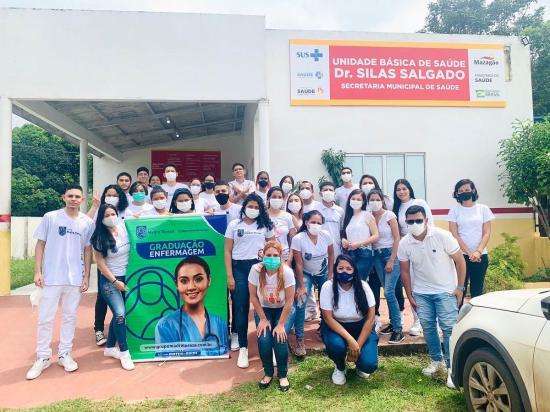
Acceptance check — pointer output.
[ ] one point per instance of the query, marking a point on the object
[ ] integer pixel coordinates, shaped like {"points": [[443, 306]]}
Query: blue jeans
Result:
{"points": [[389, 281], [240, 299], [364, 259], [431, 309], [337, 347], [297, 315], [115, 301], [269, 343]]}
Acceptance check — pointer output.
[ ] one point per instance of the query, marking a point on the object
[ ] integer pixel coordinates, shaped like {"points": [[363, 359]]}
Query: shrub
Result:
{"points": [[506, 267]]}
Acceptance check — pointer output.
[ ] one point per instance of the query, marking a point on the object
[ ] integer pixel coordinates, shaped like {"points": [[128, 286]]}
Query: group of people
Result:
{"points": [[281, 246]]}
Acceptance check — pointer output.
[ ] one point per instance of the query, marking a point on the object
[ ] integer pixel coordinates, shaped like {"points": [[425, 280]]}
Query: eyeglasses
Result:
{"points": [[413, 221]]}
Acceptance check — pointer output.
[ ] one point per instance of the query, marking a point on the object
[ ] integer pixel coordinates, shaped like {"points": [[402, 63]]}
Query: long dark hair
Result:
{"points": [[307, 217], [180, 191], [396, 200], [122, 199], [379, 193], [102, 239], [263, 219], [349, 209], [463, 182], [283, 180], [361, 301]]}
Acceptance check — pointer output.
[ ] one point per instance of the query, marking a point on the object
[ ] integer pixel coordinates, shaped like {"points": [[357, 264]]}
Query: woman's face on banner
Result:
{"points": [[192, 283]]}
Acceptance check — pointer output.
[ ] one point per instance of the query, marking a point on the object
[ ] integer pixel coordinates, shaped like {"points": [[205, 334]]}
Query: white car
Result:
{"points": [[500, 351]]}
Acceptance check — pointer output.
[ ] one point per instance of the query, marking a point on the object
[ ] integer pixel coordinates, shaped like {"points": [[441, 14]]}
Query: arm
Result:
{"points": [[406, 280], [299, 271], [460, 263], [106, 272], [95, 205], [374, 235], [228, 251], [263, 325], [87, 265], [453, 228], [280, 332], [330, 260], [486, 235], [38, 258], [396, 238], [367, 327]]}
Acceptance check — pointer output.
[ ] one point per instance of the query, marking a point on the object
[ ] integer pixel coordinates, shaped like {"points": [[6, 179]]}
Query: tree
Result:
{"points": [[29, 197], [539, 37], [333, 160]]}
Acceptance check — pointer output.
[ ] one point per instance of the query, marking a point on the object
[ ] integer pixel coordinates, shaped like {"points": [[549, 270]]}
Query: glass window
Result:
{"points": [[373, 165], [414, 171]]}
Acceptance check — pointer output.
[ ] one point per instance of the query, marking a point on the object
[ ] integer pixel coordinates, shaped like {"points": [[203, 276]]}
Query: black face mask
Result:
{"points": [[209, 185], [464, 196], [222, 198], [263, 183]]}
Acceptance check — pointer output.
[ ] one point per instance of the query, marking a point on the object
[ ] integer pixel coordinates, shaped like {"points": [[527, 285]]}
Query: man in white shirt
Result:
{"points": [[438, 272], [63, 257], [124, 180], [342, 192], [171, 184], [240, 187], [332, 213], [306, 193], [233, 211]]}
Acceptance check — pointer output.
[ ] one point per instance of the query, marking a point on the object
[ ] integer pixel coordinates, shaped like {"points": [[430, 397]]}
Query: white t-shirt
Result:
{"points": [[334, 216], [403, 229], [145, 209], [117, 260], [171, 189], [384, 230], [314, 256], [248, 240], [247, 185], [358, 229], [470, 222], [432, 268], [342, 194], [347, 310], [282, 224], [233, 212], [209, 199], [200, 205], [270, 298], [314, 205], [262, 195], [66, 238]]}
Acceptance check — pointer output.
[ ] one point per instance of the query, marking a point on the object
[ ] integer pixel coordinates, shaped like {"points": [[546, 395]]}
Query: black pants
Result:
{"points": [[100, 309], [475, 275], [374, 283]]}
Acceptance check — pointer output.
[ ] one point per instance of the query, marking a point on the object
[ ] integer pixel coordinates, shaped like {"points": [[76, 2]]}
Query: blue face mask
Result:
{"points": [[272, 262], [343, 277], [138, 196]]}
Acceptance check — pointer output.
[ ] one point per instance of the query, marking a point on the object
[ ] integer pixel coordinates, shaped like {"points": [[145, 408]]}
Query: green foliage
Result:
{"points": [[506, 267], [541, 275], [539, 37], [22, 272], [29, 197], [333, 160]]}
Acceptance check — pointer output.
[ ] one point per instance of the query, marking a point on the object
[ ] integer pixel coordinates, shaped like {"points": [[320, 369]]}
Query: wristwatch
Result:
{"points": [[462, 288]]}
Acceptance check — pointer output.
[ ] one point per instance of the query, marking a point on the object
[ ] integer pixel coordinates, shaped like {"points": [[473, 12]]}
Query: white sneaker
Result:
{"points": [[433, 367], [234, 342], [450, 383], [338, 377], [377, 324], [37, 368], [361, 374], [67, 362], [416, 329], [242, 361], [126, 361], [111, 352], [274, 359]]}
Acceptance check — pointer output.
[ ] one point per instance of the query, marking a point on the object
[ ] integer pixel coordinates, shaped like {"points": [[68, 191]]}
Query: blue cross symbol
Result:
{"points": [[316, 55]]}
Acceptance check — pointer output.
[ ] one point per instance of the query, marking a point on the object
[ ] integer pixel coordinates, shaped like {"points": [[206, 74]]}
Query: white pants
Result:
{"points": [[70, 299]]}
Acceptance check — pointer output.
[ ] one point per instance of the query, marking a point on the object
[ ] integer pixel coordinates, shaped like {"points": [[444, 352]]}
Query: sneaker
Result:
{"points": [[361, 374], [416, 329], [377, 324], [112, 352], [338, 377], [242, 361], [67, 362], [100, 338], [36, 369], [396, 337], [433, 367], [126, 361], [274, 359], [300, 349], [234, 342], [450, 383], [388, 330]]}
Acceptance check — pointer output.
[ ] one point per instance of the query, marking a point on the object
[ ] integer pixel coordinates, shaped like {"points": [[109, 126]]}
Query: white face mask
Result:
{"points": [[184, 206], [367, 187], [195, 189], [305, 194], [110, 221], [159, 204], [171, 176], [294, 207], [251, 213], [314, 229], [276, 203], [287, 187], [112, 200], [328, 196], [416, 229], [346, 177], [375, 205], [356, 204]]}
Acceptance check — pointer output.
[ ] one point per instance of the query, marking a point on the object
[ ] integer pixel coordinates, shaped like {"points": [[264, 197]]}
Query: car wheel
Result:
{"points": [[488, 383]]}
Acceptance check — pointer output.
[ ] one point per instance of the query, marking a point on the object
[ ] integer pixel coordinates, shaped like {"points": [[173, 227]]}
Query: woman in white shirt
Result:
{"points": [[369, 182], [347, 329], [295, 207], [207, 195], [195, 187], [159, 199], [111, 249], [271, 287], [283, 224], [470, 224], [182, 202], [139, 207], [244, 242], [263, 184]]}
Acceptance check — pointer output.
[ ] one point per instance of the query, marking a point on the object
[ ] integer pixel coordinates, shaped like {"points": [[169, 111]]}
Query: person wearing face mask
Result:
{"points": [[208, 196], [195, 187], [244, 241], [287, 184], [182, 202], [240, 188], [271, 287], [433, 271], [369, 182], [283, 225], [313, 254], [111, 246], [159, 199], [221, 191], [342, 192], [332, 213], [138, 207], [295, 206], [470, 224], [263, 185], [306, 194], [171, 184], [347, 329]]}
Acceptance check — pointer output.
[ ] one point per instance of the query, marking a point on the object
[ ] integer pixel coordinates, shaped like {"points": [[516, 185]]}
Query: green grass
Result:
{"points": [[398, 385], [22, 272]]}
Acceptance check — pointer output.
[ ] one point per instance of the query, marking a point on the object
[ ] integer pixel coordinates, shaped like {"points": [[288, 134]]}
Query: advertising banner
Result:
{"points": [[189, 164], [340, 72], [176, 303]]}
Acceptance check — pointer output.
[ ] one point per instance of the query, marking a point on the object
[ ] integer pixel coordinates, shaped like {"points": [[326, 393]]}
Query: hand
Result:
{"points": [[85, 284], [280, 333], [412, 302], [237, 190], [345, 243], [210, 211], [458, 293], [389, 265], [231, 283], [120, 286], [38, 279], [353, 351], [475, 257], [263, 327], [260, 254], [354, 245], [258, 267], [300, 294], [96, 199]]}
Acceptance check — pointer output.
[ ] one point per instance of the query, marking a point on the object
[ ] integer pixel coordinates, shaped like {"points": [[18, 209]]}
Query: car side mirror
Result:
{"points": [[545, 305]]}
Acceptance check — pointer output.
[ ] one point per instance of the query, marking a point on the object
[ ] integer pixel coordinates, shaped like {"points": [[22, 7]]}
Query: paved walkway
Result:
{"points": [[101, 378]]}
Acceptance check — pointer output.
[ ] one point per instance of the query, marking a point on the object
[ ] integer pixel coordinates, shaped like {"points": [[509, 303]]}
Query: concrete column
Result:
{"points": [[5, 199], [84, 172], [263, 120]]}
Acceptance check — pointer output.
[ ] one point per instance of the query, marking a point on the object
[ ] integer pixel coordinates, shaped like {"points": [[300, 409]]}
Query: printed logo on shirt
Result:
{"points": [[141, 231], [240, 232], [62, 230], [308, 256]]}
